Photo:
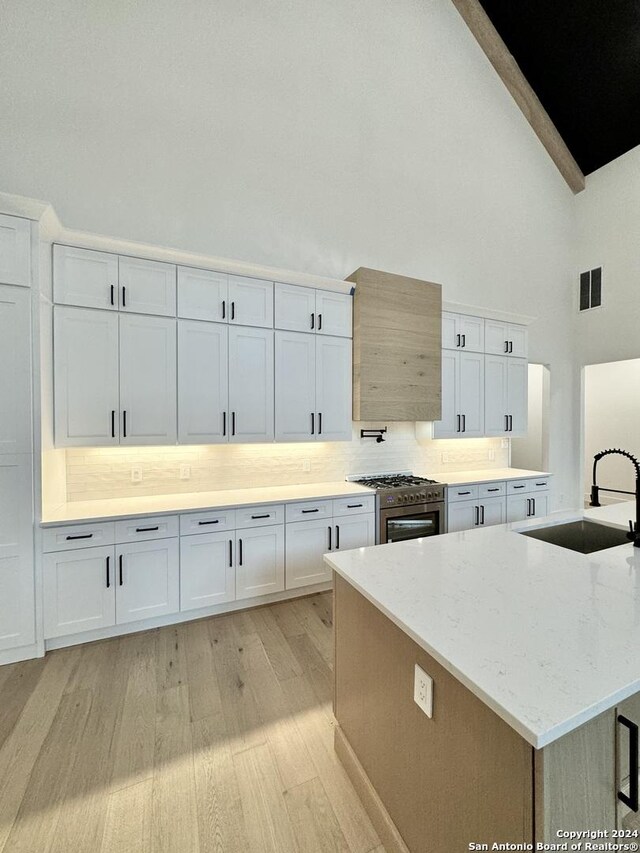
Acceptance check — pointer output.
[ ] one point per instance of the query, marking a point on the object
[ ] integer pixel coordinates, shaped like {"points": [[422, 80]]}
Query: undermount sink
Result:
{"points": [[582, 536]]}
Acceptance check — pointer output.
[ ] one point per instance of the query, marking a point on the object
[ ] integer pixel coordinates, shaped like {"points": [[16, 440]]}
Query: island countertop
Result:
{"points": [[546, 637]]}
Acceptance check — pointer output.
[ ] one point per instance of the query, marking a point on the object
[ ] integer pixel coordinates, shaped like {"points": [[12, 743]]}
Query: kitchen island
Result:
{"points": [[533, 651]]}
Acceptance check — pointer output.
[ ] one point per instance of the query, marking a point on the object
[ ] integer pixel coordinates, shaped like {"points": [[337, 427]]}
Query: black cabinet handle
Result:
{"points": [[224, 309], [510, 423], [464, 419], [80, 536], [477, 512], [337, 537], [240, 551], [124, 296], [146, 529], [319, 322], [506, 423], [313, 429], [233, 423], [493, 490], [541, 484], [108, 576], [124, 424], [312, 321], [214, 521], [510, 346], [305, 511], [266, 515], [528, 507], [120, 558], [464, 493], [518, 487], [329, 529], [631, 800], [224, 423], [464, 341], [506, 346], [230, 553], [457, 340], [233, 310], [458, 426], [353, 506], [113, 423], [533, 506], [319, 423], [112, 295]]}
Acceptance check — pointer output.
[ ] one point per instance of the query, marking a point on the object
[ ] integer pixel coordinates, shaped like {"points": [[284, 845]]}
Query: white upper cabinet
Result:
{"points": [[296, 414], [333, 313], [250, 301], [203, 294], [85, 278], [147, 287], [86, 377], [517, 395], [15, 370], [15, 251], [506, 391], [462, 396], [505, 339], [448, 426], [203, 387], [147, 380], [251, 384], [303, 309], [333, 389], [148, 579], [462, 332]]}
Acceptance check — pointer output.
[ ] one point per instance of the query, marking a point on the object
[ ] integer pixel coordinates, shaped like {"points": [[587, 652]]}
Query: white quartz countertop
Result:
{"points": [[487, 475], [546, 637], [104, 510]]}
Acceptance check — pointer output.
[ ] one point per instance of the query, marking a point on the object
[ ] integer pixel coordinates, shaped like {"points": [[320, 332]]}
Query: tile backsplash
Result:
{"points": [[100, 473]]}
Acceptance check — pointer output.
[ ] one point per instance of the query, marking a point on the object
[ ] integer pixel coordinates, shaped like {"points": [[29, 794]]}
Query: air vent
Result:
{"points": [[591, 289]]}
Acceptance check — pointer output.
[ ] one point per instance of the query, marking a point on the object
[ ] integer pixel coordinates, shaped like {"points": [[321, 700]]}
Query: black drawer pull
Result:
{"points": [[493, 490], [464, 493], [541, 484], [112, 295], [240, 551], [632, 799], [120, 558], [267, 515], [124, 296], [230, 553], [518, 487], [224, 309], [84, 536], [146, 529], [353, 506], [337, 537], [214, 521], [329, 529], [305, 511], [108, 575]]}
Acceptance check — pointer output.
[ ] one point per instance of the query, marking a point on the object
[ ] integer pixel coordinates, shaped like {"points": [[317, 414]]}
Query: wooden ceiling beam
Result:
{"points": [[509, 72]]}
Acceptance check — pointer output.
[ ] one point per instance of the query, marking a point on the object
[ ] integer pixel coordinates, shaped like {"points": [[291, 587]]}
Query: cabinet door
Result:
{"points": [[85, 358], [539, 505], [17, 608], [496, 337], [15, 370], [471, 331], [333, 313], [251, 301], [449, 330], [295, 386], [15, 251], [85, 278], [259, 561], [147, 380], [448, 426], [518, 341], [203, 382], [147, 287], [471, 394], [251, 384], [333, 389], [517, 395], [295, 308], [79, 591], [496, 377], [202, 294], [207, 574], [148, 580], [307, 542], [356, 531], [518, 507], [493, 511], [462, 515]]}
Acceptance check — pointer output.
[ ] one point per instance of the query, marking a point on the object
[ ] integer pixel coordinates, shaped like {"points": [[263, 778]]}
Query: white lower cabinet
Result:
{"points": [[521, 507], [307, 543], [207, 571], [516, 500], [481, 513], [259, 561], [461, 516], [148, 582], [355, 531]]}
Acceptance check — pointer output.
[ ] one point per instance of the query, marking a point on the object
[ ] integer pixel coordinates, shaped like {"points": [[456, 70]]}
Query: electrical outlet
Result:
{"points": [[505, 443], [185, 472], [423, 691], [492, 454], [444, 458], [306, 465], [136, 474]]}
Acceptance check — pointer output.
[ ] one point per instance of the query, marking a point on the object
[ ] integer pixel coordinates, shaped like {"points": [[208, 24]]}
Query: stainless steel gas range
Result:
{"points": [[407, 507]]}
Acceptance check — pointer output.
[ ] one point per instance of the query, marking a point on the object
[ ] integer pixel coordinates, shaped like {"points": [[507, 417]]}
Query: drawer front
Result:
{"points": [[259, 516], [207, 522], [355, 505], [308, 511], [152, 527], [492, 490], [73, 536], [520, 487], [540, 485], [462, 493]]}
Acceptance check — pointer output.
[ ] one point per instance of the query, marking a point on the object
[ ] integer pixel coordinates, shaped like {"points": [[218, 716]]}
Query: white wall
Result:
{"points": [[318, 137], [532, 450]]}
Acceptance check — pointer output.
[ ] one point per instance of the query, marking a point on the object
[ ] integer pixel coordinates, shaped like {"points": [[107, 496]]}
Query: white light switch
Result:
{"points": [[185, 472], [136, 474], [423, 691]]}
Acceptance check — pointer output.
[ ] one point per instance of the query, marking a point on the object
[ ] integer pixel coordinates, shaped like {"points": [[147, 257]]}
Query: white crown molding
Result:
{"points": [[488, 313]]}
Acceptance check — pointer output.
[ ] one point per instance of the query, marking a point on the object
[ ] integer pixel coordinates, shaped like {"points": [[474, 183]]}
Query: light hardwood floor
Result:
{"points": [[215, 735]]}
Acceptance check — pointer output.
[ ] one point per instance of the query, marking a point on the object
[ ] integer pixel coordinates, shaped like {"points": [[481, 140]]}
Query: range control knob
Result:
{"points": [[412, 498]]}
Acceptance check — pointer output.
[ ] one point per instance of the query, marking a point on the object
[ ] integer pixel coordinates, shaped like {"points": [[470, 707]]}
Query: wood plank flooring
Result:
{"points": [[213, 736]]}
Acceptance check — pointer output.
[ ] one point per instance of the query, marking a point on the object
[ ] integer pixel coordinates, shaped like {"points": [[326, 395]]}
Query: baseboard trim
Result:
{"points": [[373, 805]]}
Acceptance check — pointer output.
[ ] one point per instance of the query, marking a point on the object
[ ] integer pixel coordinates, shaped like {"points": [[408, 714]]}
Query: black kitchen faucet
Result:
{"points": [[634, 528]]}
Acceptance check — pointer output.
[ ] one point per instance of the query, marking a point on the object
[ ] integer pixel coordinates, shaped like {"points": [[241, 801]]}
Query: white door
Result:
{"points": [[518, 507], [496, 337], [148, 579], [296, 417], [251, 301], [517, 336], [203, 382], [448, 426], [471, 331], [203, 294], [207, 573], [333, 389], [259, 561], [540, 505], [17, 607], [147, 287], [471, 394], [147, 380], [493, 511], [295, 308], [463, 515], [15, 370], [251, 384], [85, 358], [79, 590], [85, 278], [15, 251], [307, 542], [496, 377], [333, 313], [355, 531], [518, 395]]}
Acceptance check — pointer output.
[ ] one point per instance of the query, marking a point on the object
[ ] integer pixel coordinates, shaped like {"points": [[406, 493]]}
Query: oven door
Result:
{"points": [[411, 522]]}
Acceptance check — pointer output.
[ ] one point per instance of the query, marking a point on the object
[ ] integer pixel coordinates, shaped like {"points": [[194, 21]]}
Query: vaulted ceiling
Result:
{"points": [[582, 59]]}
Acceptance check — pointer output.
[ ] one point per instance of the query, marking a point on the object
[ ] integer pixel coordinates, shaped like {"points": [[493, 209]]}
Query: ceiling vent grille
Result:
{"points": [[591, 289]]}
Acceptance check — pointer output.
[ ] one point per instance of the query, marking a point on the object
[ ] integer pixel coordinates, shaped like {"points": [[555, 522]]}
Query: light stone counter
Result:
{"points": [[486, 475]]}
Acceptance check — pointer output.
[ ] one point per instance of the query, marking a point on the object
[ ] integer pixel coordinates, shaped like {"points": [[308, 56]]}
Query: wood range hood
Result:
{"points": [[397, 339]]}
